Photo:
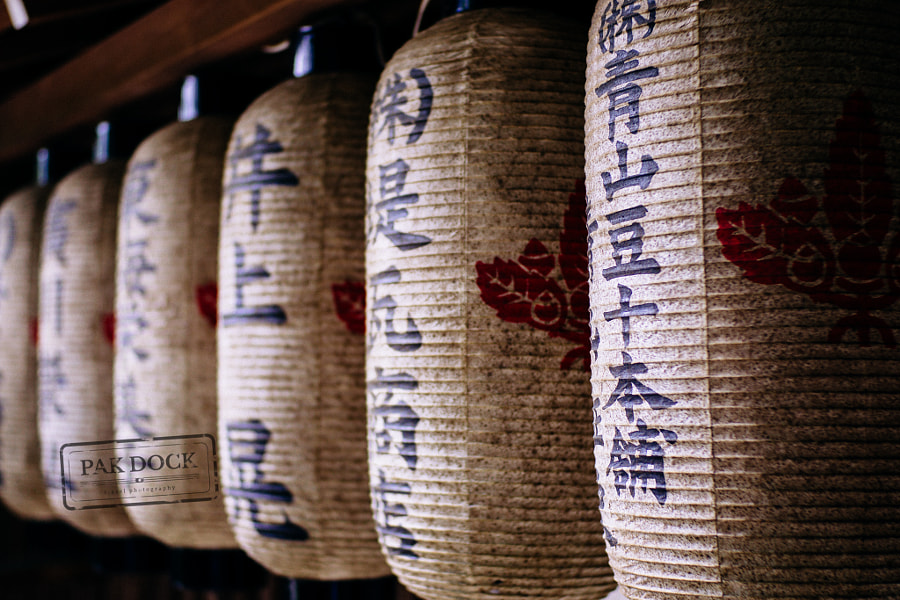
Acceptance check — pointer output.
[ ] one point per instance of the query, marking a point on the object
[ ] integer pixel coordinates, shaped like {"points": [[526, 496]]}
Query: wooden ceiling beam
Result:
{"points": [[148, 55], [41, 12]]}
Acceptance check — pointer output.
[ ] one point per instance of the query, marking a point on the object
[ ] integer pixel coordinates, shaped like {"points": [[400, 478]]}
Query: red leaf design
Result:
{"points": [[521, 296], [109, 328], [858, 198], [582, 353], [207, 298], [524, 291], [744, 235], [795, 202], [849, 264], [537, 258], [350, 305], [771, 250]]}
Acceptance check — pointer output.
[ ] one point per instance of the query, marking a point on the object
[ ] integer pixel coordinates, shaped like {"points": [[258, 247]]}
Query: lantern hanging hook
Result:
{"points": [[422, 7]]}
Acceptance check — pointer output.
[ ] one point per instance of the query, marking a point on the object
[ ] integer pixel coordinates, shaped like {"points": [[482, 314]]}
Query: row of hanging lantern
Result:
{"points": [[731, 288]]}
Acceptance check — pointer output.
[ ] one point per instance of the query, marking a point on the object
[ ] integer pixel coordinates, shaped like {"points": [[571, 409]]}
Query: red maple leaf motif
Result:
{"points": [[526, 290], [832, 249], [350, 305], [207, 297]]}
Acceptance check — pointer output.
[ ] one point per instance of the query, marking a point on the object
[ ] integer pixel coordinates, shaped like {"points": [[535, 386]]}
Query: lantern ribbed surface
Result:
{"points": [[742, 164], [291, 347], [21, 483], [165, 370], [478, 395], [75, 344]]}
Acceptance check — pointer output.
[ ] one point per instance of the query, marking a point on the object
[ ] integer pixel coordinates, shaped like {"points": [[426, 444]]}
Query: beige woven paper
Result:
{"points": [[742, 163], [477, 313], [21, 483], [75, 345], [291, 350], [165, 371]]}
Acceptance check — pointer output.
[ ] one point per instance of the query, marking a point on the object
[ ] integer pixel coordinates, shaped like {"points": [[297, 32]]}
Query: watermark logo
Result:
{"points": [[160, 470]]}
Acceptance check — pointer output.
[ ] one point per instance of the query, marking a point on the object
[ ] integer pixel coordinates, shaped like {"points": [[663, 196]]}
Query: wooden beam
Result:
{"points": [[41, 12], [146, 56]]}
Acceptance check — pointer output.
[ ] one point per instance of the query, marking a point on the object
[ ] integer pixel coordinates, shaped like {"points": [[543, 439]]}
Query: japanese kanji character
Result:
{"points": [[390, 103], [138, 420], [623, 93], [398, 540], [626, 311], [136, 266], [642, 180], [401, 341], [392, 181], [137, 182], [628, 242], [630, 392], [57, 234], [242, 314], [615, 20], [395, 420], [247, 441], [640, 462], [257, 178]]}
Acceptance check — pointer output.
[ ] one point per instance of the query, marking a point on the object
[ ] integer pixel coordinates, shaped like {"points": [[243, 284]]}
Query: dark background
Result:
{"points": [[60, 29]]}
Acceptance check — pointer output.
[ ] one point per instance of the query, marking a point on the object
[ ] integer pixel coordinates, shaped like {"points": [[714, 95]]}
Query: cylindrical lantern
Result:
{"points": [[290, 343], [165, 365], [742, 164], [75, 342], [21, 483], [477, 336]]}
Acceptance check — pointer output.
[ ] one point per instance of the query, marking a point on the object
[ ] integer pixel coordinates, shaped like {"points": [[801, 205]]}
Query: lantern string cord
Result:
{"points": [[422, 6]]}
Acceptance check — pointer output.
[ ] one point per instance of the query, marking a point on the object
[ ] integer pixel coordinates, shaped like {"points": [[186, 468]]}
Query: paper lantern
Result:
{"points": [[744, 238], [477, 313], [165, 369], [291, 347], [75, 344], [21, 483]]}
